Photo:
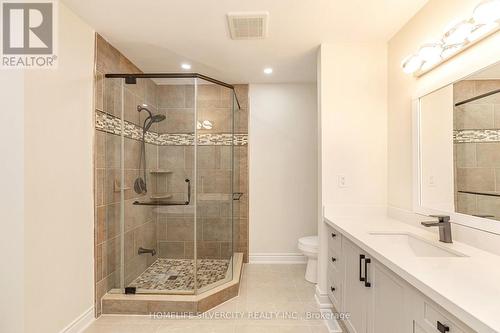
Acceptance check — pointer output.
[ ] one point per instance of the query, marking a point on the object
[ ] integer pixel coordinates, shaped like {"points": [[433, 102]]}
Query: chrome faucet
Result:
{"points": [[444, 227]]}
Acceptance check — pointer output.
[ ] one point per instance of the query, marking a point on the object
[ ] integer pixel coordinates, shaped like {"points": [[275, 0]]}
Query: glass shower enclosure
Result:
{"points": [[175, 181]]}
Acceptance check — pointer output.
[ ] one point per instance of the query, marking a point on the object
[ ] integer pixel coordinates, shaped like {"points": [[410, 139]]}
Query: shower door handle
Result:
{"points": [[189, 191]]}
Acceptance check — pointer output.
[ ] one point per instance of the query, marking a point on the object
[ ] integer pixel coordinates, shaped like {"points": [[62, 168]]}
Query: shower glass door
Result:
{"points": [[214, 174], [159, 212], [175, 183]]}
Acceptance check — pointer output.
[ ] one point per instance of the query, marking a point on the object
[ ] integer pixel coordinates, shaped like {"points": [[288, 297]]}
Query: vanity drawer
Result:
{"points": [[437, 320], [334, 240]]}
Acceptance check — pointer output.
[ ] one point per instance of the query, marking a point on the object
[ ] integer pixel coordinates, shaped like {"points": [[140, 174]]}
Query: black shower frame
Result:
{"points": [[132, 79]]}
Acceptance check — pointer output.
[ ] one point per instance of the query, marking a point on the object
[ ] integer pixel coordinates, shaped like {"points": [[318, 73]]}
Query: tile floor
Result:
{"points": [[264, 289], [178, 274]]}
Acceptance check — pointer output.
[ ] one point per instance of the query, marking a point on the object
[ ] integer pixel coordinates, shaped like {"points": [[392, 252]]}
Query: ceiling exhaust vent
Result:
{"points": [[249, 25]]}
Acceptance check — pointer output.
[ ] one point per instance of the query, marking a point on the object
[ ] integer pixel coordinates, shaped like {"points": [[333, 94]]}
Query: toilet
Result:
{"points": [[309, 247]]}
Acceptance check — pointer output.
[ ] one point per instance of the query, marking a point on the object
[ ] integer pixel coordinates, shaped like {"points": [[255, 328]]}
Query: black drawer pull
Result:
{"points": [[332, 289], [361, 258], [442, 327], [367, 284], [334, 235], [334, 259]]}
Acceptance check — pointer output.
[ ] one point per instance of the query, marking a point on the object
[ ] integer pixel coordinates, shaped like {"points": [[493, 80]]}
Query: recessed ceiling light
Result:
{"points": [[268, 70], [186, 66]]}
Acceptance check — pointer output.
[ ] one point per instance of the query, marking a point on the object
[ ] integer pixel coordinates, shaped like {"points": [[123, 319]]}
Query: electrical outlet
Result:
{"points": [[342, 181]]}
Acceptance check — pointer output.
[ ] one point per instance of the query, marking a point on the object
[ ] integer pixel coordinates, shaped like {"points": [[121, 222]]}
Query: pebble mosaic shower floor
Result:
{"points": [[178, 274]]}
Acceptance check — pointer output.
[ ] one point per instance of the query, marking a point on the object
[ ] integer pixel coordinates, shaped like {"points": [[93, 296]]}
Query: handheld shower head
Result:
{"points": [[151, 120]]}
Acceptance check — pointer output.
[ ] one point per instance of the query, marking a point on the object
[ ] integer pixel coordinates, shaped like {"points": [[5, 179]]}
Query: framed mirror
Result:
{"points": [[457, 151]]}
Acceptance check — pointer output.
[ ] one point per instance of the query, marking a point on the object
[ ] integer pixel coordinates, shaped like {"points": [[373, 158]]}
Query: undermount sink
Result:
{"points": [[414, 245]]}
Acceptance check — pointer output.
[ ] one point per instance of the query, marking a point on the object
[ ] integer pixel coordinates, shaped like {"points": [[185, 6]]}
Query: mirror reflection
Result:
{"points": [[460, 146]]}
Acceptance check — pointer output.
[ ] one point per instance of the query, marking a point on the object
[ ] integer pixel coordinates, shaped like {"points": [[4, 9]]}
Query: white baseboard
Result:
{"points": [[322, 299], [277, 258], [326, 309], [81, 323], [331, 323]]}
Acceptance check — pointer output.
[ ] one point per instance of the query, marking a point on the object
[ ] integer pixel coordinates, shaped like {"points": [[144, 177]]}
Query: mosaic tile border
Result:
{"points": [[476, 136], [111, 124]]}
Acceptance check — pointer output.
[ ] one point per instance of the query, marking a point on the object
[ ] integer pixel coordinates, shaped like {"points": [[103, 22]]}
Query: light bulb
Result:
{"points": [[430, 52], [412, 64], [458, 34], [487, 11], [450, 50], [481, 30]]}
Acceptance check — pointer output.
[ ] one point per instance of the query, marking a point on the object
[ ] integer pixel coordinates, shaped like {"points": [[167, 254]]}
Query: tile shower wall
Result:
{"points": [[140, 227], [477, 148]]}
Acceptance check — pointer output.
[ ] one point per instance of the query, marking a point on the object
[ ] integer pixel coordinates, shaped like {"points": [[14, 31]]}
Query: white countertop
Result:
{"points": [[468, 287]]}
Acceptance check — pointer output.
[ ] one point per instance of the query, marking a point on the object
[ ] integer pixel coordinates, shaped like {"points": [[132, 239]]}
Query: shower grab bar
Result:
{"points": [[168, 203]]}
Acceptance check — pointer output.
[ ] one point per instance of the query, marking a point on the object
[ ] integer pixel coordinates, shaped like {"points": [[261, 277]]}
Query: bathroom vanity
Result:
{"points": [[393, 277]]}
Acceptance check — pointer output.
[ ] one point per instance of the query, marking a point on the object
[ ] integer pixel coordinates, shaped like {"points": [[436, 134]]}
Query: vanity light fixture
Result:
{"points": [[485, 21], [185, 66]]}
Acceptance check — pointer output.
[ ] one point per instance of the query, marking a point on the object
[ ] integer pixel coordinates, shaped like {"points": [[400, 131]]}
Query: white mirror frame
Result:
{"points": [[470, 221]]}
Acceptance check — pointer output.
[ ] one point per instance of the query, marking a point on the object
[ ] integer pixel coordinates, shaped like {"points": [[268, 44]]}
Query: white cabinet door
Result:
{"points": [[386, 311], [355, 293]]}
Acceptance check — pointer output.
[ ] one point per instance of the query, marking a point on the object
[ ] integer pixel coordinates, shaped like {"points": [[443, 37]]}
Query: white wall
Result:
{"points": [[11, 202], [429, 23], [59, 236], [283, 166], [352, 89], [353, 103]]}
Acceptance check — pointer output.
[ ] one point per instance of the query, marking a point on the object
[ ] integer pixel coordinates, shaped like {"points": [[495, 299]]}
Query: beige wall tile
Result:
{"points": [[466, 203], [465, 154], [207, 157], [486, 86], [99, 186], [171, 157], [171, 249], [99, 90], [488, 154], [180, 120], [180, 229], [171, 96], [474, 116], [487, 205], [475, 179], [208, 249], [113, 150], [217, 229]]}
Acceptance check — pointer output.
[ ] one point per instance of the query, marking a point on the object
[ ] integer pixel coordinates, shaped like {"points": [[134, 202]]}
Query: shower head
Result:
{"points": [[157, 118], [149, 121]]}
